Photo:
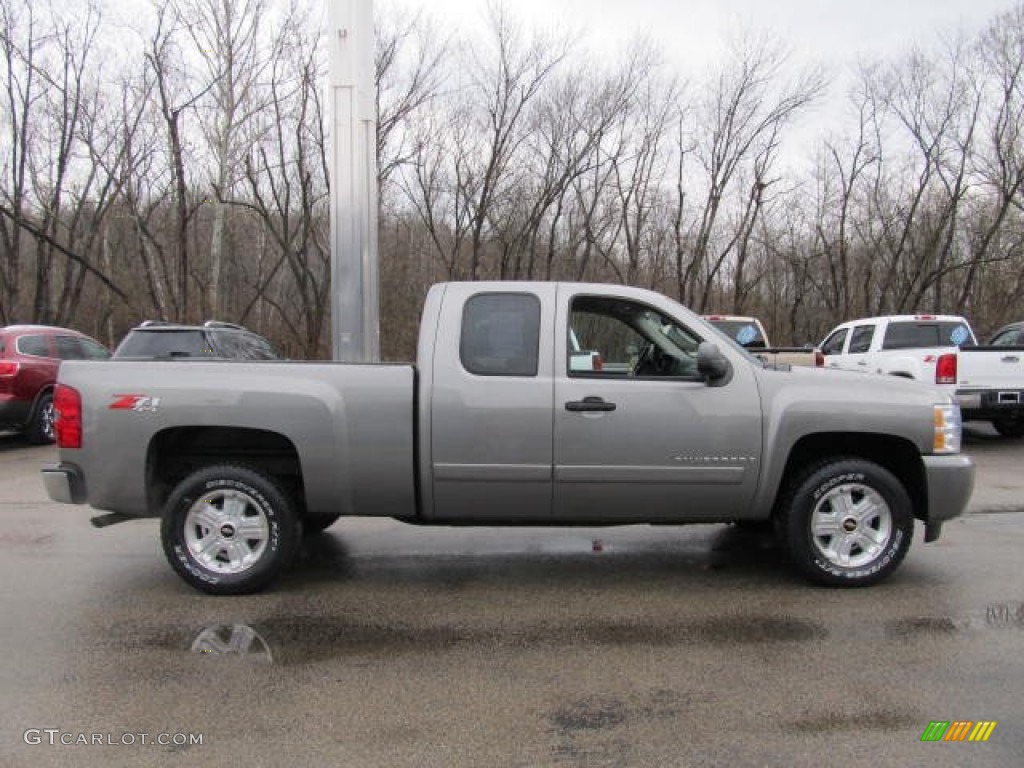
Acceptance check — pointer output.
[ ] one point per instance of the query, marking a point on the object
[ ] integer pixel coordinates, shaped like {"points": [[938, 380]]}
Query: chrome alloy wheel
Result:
{"points": [[46, 421], [226, 531], [851, 525]]}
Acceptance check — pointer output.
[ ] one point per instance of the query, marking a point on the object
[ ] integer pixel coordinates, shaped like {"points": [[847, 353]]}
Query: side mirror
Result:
{"points": [[713, 365]]}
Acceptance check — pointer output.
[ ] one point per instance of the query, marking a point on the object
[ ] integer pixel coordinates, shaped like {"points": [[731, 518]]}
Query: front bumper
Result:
{"points": [[949, 482], [64, 483]]}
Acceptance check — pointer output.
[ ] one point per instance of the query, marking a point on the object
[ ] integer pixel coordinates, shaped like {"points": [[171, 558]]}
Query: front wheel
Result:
{"points": [[846, 523], [229, 530]]}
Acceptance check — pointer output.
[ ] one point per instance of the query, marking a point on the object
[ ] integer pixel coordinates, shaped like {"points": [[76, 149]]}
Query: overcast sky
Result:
{"points": [[692, 31], [693, 34]]}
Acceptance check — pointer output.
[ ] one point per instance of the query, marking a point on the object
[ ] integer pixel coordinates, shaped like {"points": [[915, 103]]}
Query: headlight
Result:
{"points": [[948, 426]]}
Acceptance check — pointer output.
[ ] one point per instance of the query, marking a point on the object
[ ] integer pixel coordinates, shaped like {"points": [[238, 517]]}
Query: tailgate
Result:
{"points": [[999, 368]]}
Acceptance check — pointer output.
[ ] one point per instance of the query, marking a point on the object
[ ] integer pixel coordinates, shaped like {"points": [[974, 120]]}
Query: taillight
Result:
{"points": [[8, 367], [945, 369], [819, 359], [67, 425], [598, 362]]}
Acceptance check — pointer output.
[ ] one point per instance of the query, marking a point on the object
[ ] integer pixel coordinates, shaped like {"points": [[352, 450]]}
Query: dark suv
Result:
{"points": [[29, 358], [1011, 335], [155, 339]]}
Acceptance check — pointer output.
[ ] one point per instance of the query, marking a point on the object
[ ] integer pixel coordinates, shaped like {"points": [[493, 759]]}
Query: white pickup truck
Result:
{"points": [[750, 334], [987, 382]]}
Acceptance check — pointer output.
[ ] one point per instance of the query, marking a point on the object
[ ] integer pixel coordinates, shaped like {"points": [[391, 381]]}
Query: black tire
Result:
{"points": [[40, 427], [846, 522], [1009, 426], [313, 525], [229, 530]]}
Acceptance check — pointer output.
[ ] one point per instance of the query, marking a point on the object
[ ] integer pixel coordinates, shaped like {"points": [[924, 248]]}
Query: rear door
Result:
{"points": [[490, 429], [858, 355]]}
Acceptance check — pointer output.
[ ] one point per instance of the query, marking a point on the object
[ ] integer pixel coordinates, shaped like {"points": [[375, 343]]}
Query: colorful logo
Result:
{"points": [[958, 730]]}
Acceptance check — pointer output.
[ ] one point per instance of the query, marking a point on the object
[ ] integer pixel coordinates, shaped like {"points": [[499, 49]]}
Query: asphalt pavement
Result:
{"points": [[394, 646]]}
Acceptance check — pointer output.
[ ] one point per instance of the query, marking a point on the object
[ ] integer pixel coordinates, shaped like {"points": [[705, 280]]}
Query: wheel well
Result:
{"points": [[176, 453], [43, 391], [897, 455]]}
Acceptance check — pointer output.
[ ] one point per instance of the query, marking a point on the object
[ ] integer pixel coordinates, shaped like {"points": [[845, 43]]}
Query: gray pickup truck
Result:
{"points": [[495, 426]]}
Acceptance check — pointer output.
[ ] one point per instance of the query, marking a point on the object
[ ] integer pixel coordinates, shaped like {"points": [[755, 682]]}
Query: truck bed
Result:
{"points": [[352, 427]]}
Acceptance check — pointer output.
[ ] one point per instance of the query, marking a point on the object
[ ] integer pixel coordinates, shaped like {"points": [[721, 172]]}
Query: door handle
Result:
{"points": [[589, 404]]}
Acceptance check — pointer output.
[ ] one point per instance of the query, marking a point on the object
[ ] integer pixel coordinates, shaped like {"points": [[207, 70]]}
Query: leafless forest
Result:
{"points": [[173, 164]]}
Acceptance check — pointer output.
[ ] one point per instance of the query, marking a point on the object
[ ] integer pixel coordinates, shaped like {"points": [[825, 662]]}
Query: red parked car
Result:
{"points": [[29, 358]]}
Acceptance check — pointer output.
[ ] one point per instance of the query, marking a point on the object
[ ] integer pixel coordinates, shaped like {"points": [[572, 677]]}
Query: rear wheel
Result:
{"points": [[847, 523], [1009, 426], [40, 428], [229, 530]]}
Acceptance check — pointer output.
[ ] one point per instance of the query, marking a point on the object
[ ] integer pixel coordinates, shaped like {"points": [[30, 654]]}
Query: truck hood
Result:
{"points": [[859, 387], [813, 400]]}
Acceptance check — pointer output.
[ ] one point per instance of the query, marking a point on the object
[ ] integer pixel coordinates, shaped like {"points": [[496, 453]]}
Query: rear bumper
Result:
{"points": [[950, 481], [64, 483], [989, 404]]}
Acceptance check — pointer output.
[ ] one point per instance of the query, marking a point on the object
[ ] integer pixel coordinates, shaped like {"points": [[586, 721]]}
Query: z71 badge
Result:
{"points": [[137, 403]]}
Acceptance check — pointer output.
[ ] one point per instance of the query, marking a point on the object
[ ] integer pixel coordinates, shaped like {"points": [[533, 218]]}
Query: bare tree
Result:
{"points": [[226, 35], [19, 43], [286, 175], [739, 119], [409, 58], [176, 96]]}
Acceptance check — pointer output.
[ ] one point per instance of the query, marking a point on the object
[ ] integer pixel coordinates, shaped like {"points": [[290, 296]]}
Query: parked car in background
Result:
{"points": [[1010, 335], [987, 382], [158, 340], [29, 358], [750, 334]]}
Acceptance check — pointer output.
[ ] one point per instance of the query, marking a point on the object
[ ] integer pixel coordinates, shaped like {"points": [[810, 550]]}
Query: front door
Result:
{"points": [[642, 436]]}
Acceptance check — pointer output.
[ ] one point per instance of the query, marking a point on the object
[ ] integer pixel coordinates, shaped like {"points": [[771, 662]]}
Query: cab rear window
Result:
{"points": [[165, 344], [745, 334], [915, 334]]}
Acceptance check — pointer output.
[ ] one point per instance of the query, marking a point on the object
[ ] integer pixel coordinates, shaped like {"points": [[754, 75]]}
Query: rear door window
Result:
{"points": [[501, 335], [860, 339], [34, 345]]}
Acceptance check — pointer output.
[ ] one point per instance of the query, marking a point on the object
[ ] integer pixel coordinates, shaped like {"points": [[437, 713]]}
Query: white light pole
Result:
{"points": [[355, 294]]}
